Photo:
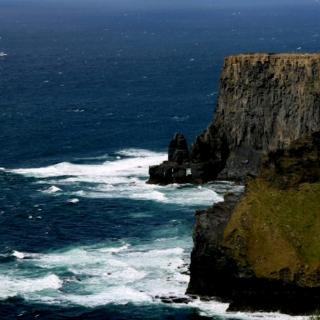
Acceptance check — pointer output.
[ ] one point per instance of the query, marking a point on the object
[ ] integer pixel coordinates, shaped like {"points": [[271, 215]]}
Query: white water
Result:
{"points": [[124, 177], [107, 273], [104, 274], [52, 189], [13, 286], [100, 274]]}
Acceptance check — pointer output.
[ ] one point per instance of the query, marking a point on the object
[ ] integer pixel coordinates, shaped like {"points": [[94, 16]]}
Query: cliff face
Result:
{"points": [[261, 251], [266, 253], [265, 102], [283, 202]]}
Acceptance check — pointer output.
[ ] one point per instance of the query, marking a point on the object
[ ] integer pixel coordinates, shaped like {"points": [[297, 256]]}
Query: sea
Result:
{"points": [[91, 93]]}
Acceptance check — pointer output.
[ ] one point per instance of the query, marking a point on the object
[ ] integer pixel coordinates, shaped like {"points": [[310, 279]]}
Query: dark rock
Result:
{"points": [[300, 163], [174, 299], [268, 104], [260, 251], [205, 171], [210, 267], [265, 102], [178, 149], [265, 132], [168, 172], [176, 169]]}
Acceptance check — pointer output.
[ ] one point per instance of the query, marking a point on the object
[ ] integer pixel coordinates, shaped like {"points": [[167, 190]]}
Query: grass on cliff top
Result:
{"points": [[276, 230]]}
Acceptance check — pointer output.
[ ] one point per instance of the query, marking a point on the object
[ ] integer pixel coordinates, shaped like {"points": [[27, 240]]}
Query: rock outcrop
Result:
{"points": [[260, 251], [177, 168], [178, 149], [263, 253], [265, 102]]}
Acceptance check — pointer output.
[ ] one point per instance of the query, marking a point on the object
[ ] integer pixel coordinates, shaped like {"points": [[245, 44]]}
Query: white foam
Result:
{"points": [[122, 273], [114, 250], [73, 200], [52, 189], [123, 177], [215, 308], [13, 286], [142, 153], [108, 274], [137, 164], [18, 255], [120, 295]]}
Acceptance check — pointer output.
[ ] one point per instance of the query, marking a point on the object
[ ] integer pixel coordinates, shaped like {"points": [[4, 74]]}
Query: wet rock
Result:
{"points": [[176, 169], [167, 173], [175, 299]]}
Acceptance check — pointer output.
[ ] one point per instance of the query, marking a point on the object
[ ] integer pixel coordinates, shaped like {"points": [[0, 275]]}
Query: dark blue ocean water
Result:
{"points": [[90, 95]]}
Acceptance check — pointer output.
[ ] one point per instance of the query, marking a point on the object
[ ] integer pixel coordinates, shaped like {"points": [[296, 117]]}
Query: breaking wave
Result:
{"points": [[93, 276], [121, 272], [122, 177]]}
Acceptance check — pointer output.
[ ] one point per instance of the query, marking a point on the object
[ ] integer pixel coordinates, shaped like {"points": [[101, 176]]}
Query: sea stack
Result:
{"points": [[176, 169], [261, 250]]}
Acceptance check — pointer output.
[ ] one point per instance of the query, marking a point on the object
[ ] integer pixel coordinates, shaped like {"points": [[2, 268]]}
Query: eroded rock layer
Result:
{"points": [[265, 102]]}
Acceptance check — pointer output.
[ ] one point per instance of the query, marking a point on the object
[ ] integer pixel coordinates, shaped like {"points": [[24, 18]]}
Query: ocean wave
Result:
{"points": [[113, 274], [118, 295], [18, 286], [136, 163], [123, 177], [52, 189], [100, 274], [18, 254], [73, 200]]}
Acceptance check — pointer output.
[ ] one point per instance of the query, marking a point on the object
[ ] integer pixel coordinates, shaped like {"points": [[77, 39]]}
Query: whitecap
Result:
{"points": [[114, 249], [181, 118], [118, 295], [122, 176], [23, 255], [18, 254], [132, 152], [116, 274], [13, 286], [109, 269], [73, 200], [52, 189]]}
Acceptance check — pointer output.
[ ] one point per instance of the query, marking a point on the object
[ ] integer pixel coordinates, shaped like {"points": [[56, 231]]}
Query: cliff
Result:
{"points": [[264, 254], [265, 102], [261, 250]]}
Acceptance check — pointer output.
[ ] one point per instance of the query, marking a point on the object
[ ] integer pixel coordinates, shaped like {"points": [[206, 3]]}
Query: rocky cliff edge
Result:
{"points": [[265, 102], [260, 251]]}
